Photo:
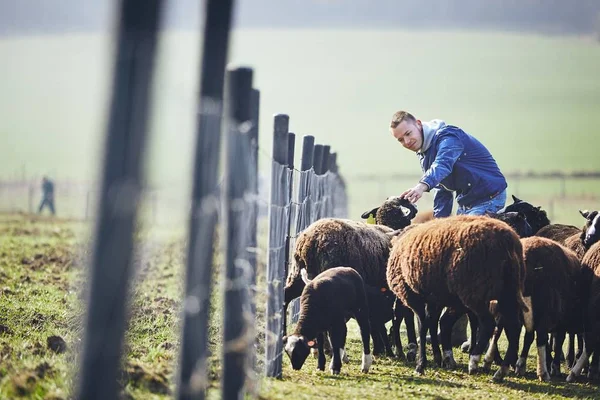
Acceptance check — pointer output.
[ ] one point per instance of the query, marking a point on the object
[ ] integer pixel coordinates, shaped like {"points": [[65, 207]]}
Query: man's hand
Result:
{"points": [[413, 195]]}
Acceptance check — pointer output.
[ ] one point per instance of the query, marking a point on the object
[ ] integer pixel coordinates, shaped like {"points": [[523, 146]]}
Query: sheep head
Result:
{"points": [[298, 348], [394, 212], [536, 217], [516, 220], [591, 231]]}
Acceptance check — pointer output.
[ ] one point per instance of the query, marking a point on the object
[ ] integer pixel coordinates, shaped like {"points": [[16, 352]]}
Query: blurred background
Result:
{"points": [[522, 76]]}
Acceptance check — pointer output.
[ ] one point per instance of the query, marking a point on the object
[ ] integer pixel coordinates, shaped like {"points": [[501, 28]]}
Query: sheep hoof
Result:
{"points": [[335, 372], [555, 370], [571, 377], [448, 362], [544, 377], [320, 368], [437, 359], [520, 367], [420, 370], [473, 370], [486, 366], [400, 356], [411, 353], [500, 374], [466, 347]]}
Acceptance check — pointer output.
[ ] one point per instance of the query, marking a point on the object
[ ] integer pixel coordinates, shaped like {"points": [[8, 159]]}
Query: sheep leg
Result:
{"points": [[363, 323], [542, 344], [423, 326], [409, 321], [321, 357], [337, 335], [447, 321], [395, 330], [559, 339], [492, 353], [521, 366], [474, 324], [484, 334], [433, 318], [576, 370], [571, 356], [512, 328], [593, 370]]}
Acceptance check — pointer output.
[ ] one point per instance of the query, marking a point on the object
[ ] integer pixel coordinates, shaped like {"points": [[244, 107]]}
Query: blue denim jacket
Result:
{"points": [[457, 162]]}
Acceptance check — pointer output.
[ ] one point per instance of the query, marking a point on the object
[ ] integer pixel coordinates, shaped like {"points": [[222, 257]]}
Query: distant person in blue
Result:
{"points": [[456, 164], [47, 195]]}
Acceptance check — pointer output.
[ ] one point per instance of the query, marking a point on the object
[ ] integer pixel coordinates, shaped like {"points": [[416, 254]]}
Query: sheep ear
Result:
{"points": [[366, 214], [584, 213], [516, 199]]}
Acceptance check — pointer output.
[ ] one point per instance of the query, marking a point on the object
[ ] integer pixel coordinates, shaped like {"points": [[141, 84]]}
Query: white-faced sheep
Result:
{"points": [[327, 302], [464, 263]]}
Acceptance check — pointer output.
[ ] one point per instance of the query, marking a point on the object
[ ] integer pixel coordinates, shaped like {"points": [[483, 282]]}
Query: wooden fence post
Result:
{"points": [[275, 267], [120, 190], [193, 373]]}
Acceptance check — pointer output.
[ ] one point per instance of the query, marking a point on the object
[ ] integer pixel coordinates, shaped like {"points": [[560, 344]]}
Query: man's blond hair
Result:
{"points": [[400, 116]]}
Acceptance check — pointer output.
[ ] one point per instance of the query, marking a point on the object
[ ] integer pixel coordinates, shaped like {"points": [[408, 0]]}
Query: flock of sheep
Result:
{"points": [[504, 271]]}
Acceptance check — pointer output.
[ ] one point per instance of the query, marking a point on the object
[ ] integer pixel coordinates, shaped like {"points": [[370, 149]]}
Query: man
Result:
{"points": [[48, 195], [452, 161]]}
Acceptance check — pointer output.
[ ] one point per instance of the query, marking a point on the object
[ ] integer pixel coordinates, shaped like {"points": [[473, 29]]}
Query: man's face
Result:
{"points": [[409, 134]]}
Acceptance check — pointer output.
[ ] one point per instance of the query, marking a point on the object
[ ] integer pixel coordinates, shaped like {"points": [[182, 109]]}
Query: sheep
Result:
{"points": [[395, 213], [463, 263], [591, 269], [553, 279], [326, 303], [516, 220], [331, 242]]}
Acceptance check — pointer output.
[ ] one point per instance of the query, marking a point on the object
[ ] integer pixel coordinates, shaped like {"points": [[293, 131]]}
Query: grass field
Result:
{"points": [[42, 274], [533, 100]]}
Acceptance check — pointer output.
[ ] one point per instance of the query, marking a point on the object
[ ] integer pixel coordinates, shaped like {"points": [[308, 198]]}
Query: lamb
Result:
{"points": [[553, 279], [327, 302], [331, 242], [463, 263]]}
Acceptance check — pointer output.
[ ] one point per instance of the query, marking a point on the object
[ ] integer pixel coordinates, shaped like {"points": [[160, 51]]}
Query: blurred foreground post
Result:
{"points": [[238, 327], [119, 193], [193, 374]]}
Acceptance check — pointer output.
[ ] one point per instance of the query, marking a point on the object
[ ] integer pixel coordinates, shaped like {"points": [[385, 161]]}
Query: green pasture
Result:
{"points": [[532, 99]]}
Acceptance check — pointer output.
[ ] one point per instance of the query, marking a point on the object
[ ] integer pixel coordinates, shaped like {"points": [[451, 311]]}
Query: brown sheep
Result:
{"points": [[553, 279], [591, 267], [331, 242], [464, 263]]}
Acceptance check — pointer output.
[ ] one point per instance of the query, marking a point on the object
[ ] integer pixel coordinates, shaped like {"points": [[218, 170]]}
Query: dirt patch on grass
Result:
{"points": [[24, 383], [142, 377], [56, 344]]}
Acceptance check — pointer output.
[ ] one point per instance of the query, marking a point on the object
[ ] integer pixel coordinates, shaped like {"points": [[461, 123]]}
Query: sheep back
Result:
{"points": [[336, 291], [331, 242], [558, 232], [470, 258], [575, 243], [552, 273]]}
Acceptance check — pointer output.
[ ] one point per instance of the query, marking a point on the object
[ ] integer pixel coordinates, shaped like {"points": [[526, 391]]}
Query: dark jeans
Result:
{"points": [[49, 203]]}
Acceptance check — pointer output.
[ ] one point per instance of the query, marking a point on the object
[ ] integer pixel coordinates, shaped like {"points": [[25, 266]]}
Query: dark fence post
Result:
{"points": [[277, 240], [318, 158], [193, 373], [119, 195], [238, 327], [292, 215], [304, 213], [254, 207]]}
